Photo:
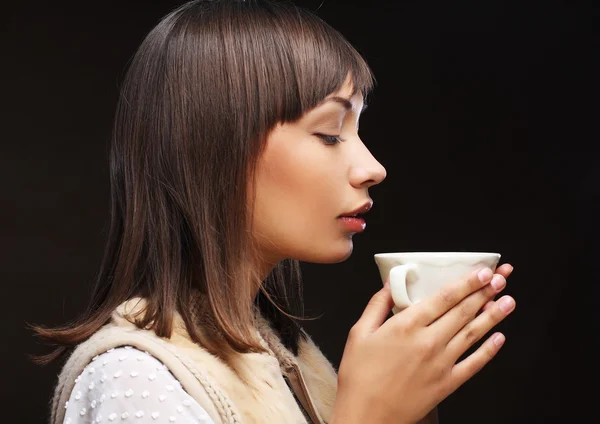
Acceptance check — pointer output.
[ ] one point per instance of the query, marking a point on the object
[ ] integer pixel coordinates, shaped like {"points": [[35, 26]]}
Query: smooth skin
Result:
{"points": [[399, 369], [312, 171]]}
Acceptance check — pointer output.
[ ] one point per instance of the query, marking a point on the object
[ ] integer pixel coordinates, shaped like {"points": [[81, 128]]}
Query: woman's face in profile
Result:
{"points": [[313, 171]]}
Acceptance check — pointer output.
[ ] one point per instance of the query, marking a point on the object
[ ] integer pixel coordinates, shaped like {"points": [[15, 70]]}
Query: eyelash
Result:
{"points": [[330, 140]]}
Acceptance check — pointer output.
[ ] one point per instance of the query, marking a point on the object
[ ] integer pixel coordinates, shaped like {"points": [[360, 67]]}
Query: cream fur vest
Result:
{"points": [[251, 389]]}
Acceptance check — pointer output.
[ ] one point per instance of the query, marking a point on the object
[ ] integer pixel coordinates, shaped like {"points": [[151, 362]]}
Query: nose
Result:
{"points": [[367, 171]]}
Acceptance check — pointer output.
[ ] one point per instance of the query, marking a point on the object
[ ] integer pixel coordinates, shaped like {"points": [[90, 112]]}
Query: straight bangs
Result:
{"points": [[312, 60], [277, 61]]}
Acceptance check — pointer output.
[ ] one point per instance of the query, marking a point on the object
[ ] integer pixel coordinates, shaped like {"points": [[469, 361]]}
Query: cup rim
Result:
{"points": [[434, 254]]}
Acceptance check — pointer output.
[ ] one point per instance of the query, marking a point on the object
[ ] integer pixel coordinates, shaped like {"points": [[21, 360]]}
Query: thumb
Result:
{"points": [[377, 310]]}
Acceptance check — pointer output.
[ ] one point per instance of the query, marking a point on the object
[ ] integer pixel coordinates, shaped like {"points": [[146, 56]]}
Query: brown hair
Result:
{"points": [[199, 98]]}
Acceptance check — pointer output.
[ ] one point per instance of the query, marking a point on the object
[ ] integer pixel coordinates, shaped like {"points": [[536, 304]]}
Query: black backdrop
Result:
{"points": [[482, 116]]}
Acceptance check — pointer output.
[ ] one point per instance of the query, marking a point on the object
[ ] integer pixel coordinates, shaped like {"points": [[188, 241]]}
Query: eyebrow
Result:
{"points": [[346, 103]]}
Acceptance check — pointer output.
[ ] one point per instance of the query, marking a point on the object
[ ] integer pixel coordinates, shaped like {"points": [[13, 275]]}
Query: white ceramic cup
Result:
{"points": [[417, 275]]}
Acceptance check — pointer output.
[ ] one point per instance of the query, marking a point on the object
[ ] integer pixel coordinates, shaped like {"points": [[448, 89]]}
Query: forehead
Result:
{"points": [[348, 96]]}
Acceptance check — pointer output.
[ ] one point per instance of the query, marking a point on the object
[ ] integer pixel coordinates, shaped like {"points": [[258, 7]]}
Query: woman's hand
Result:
{"points": [[399, 369]]}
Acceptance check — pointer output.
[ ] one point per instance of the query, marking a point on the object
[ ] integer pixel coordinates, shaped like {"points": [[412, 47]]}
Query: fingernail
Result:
{"points": [[498, 339], [498, 282], [506, 304], [485, 274]]}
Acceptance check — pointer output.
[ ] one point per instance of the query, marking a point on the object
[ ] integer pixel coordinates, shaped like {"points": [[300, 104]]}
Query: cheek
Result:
{"points": [[295, 183], [298, 195]]}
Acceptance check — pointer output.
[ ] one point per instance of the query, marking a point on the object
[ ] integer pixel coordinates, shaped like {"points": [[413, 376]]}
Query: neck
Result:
{"points": [[264, 268]]}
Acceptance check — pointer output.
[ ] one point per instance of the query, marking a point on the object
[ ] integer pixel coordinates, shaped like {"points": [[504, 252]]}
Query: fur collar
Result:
{"points": [[255, 381]]}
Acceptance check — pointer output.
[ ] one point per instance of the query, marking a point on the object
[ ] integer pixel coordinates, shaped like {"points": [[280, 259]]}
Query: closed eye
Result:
{"points": [[330, 140]]}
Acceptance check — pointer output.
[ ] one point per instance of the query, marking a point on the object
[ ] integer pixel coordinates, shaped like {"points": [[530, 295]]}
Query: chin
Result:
{"points": [[343, 254], [332, 254]]}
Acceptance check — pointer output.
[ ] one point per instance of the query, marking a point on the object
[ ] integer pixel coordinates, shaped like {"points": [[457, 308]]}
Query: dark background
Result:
{"points": [[482, 116]]}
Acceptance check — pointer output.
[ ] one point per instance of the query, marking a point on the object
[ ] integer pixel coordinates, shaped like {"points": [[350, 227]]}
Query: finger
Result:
{"points": [[448, 325], [472, 364], [505, 270], [480, 326], [488, 305], [431, 308], [376, 311]]}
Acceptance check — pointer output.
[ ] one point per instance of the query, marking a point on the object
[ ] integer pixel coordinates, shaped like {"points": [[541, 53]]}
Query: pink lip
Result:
{"points": [[353, 224], [362, 209]]}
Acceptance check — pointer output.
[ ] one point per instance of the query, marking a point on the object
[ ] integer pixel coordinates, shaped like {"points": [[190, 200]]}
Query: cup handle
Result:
{"points": [[398, 286]]}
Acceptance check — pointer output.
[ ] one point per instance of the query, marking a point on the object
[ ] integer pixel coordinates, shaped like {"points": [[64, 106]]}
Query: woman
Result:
{"points": [[236, 154]]}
